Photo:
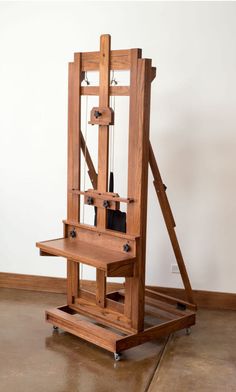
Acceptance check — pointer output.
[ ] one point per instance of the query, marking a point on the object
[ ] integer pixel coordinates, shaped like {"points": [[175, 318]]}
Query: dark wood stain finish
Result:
{"points": [[113, 253]]}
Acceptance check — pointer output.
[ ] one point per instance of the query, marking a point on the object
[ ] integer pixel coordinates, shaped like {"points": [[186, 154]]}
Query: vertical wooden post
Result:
{"points": [[103, 151], [103, 136], [72, 281], [73, 201], [138, 183]]}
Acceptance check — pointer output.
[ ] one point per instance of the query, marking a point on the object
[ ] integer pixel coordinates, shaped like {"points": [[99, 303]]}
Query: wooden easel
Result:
{"points": [[125, 318]]}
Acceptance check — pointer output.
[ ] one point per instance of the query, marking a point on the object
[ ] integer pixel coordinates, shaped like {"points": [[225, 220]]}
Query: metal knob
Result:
{"points": [[73, 233], [106, 204], [90, 200], [126, 247], [97, 114]]}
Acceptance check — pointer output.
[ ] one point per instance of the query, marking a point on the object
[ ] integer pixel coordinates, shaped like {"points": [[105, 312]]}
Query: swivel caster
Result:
{"points": [[55, 327], [117, 357], [188, 331]]}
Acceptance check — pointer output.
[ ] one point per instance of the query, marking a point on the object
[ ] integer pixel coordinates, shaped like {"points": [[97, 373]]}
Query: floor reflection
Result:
{"points": [[90, 368]]}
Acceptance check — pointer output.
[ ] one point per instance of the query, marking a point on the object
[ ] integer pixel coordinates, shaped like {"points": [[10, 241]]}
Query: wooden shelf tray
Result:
{"points": [[113, 263]]}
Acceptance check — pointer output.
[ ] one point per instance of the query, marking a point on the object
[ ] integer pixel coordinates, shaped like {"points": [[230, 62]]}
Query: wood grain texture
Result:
{"points": [[110, 340], [135, 54], [82, 328], [103, 148], [155, 332], [119, 60], [106, 116], [91, 169], [138, 182], [104, 239], [101, 288], [99, 247], [104, 195], [72, 281], [109, 261], [73, 202], [111, 233], [106, 315], [169, 299], [110, 303], [103, 134], [113, 90]]}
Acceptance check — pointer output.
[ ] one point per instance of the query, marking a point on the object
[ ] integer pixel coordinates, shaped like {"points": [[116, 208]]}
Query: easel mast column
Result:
{"points": [[103, 151], [73, 182]]}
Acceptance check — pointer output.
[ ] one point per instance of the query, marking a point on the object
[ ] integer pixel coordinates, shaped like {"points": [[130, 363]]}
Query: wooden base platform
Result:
{"points": [[162, 317]]}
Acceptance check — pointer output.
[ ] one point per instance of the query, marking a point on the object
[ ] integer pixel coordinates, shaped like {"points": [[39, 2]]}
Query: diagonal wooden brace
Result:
{"points": [[91, 169], [170, 223]]}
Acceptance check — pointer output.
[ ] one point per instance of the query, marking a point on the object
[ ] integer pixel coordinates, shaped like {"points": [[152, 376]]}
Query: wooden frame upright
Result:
{"points": [[119, 320]]}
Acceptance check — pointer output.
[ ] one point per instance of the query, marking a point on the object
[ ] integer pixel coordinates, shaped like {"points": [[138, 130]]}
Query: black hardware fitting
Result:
{"points": [[126, 247], [73, 233], [106, 204], [165, 187], [90, 200], [181, 306], [97, 114]]}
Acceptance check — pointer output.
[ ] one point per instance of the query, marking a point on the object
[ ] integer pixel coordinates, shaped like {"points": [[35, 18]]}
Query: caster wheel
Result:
{"points": [[117, 357], [188, 331], [55, 327]]}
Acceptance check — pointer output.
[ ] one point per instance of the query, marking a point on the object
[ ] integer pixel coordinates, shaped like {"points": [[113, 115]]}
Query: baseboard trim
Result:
{"points": [[32, 282], [204, 299], [45, 283]]}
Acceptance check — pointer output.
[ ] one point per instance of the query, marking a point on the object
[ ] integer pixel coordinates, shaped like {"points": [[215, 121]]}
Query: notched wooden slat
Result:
{"points": [[119, 60]]}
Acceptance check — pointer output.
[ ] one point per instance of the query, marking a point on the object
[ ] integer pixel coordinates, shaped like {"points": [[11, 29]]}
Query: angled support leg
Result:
{"points": [[170, 223]]}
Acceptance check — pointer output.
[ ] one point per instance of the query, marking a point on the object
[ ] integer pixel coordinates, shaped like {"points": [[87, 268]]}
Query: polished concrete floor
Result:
{"points": [[33, 358], [205, 361]]}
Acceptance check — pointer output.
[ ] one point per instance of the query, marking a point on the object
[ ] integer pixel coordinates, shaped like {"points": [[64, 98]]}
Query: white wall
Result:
{"points": [[193, 122]]}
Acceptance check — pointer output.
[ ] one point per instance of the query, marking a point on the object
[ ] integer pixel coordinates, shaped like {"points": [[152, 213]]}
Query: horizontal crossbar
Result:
{"points": [[103, 196], [114, 90]]}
